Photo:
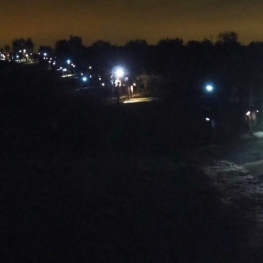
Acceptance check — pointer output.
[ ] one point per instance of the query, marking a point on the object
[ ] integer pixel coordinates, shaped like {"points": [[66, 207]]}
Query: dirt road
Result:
{"points": [[237, 171]]}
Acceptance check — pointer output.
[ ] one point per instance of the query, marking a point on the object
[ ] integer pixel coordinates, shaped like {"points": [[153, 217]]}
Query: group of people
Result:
{"points": [[118, 90], [130, 92]]}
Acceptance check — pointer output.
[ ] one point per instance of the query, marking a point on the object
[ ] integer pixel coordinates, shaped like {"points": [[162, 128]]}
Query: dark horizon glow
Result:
{"points": [[120, 21]]}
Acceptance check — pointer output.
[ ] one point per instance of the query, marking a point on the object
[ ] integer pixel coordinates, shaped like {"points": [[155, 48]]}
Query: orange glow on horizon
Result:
{"points": [[120, 21]]}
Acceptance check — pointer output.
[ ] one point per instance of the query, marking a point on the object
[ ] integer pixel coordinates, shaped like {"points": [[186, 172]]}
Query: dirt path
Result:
{"points": [[239, 183]]}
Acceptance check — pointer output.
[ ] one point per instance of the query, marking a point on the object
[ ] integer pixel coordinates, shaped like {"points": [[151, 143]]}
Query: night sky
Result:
{"points": [[116, 21]]}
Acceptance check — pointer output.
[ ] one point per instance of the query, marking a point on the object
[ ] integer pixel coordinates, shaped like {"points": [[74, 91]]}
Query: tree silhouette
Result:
{"points": [[228, 38], [7, 48], [61, 46], [46, 49], [136, 44], [23, 44]]}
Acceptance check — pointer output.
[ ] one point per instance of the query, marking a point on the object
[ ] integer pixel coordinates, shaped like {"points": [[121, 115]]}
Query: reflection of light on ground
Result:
{"points": [[67, 76], [138, 100]]}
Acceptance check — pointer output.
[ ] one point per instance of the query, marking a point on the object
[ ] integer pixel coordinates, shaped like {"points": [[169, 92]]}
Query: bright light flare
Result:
{"points": [[119, 72], [209, 88], [248, 113]]}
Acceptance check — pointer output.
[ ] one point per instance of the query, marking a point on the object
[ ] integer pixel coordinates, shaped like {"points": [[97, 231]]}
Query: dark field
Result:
{"points": [[85, 181]]}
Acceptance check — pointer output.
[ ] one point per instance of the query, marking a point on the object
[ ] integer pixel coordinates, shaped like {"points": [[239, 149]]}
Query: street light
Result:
{"points": [[119, 72], [209, 88], [84, 81], [68, 61], [64, 70]]}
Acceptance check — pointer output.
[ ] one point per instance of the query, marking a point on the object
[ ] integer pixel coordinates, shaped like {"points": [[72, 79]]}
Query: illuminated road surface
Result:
{"points": [[137, 100]]}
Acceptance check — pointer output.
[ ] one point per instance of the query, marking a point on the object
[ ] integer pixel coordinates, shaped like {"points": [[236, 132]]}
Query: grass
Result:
{"points": [[107, 208]]}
